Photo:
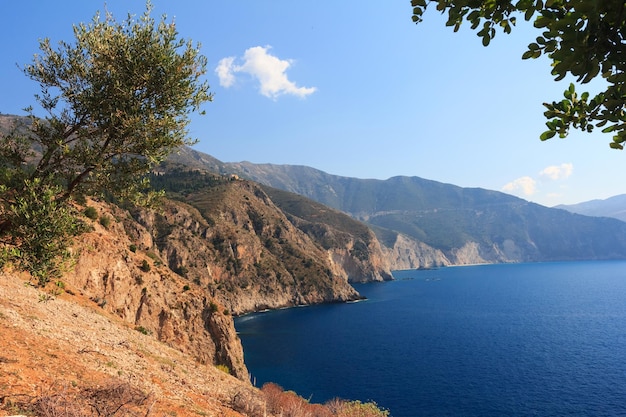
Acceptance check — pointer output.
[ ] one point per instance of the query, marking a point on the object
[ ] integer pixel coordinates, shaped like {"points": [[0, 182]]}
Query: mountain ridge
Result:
{"points": [[614, 207], [469, 225]]}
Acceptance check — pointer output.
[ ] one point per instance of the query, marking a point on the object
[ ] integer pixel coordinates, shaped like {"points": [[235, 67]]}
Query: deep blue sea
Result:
{"points": [[546, 339]]}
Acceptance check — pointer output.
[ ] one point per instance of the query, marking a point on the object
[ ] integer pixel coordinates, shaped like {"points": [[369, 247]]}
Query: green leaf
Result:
{"points": [[547, 135], [529, 14]]}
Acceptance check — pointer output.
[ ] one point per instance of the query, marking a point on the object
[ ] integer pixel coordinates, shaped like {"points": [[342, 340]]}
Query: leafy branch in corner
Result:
{"points": [[584, 39]]}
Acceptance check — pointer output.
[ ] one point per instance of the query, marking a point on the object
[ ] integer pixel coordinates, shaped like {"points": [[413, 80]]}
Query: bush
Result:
{"points": [[105, 221], [288, 403], [133, 248], [143, 330], [342, 408], [111, 398], [145, 266], [223, 368], [37, 229], [90, 212]]}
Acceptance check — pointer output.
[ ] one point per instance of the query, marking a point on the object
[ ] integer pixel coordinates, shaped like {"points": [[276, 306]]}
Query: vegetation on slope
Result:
{"points": [[255, 255]]}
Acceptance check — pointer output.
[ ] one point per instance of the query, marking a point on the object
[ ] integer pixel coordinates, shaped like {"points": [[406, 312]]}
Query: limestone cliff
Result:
{"points": [[407, 253], [350, 243], [232, 241], [118, 268]]}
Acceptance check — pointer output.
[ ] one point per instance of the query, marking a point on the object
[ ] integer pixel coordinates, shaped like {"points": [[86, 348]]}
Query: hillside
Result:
{"points": [[465, 225], [259, 254], [119, 325], [121, 328], [66, 356], [611, 207]]}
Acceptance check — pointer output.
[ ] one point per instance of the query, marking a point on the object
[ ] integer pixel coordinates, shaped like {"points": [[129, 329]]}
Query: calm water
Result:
{"points": [[500, 340]]}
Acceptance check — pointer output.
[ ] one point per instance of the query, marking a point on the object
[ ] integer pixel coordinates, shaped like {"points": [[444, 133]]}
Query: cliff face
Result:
{"points": [[406, 253], [349, 243], [118, 269], [244, 251], [182, 270]]}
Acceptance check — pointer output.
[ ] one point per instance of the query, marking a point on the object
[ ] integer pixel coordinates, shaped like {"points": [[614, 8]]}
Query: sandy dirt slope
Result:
{"points": [[61, 348]]}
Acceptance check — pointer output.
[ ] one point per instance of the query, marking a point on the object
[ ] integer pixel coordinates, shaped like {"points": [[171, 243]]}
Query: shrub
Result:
{"points": [[342, 408], [105, 221], [213, 307], [145, 266], [37, 229], [223, 368], [143, 330], [112, 398], [181, 270], [288, 403], [133, 248], [90, 212]]}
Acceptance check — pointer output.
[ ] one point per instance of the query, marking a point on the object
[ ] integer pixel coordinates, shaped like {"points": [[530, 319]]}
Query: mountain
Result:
{"points": [[236, 241], [466, 225], [611, 207]]}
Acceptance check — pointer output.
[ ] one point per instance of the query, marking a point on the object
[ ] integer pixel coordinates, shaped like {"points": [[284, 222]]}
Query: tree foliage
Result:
{"points": [[116, 102], [585, 39]]}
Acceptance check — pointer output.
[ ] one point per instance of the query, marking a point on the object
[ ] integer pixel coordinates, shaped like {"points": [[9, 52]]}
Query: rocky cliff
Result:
{"points": [[249, 254], [350, 243], [406, 253], [182, 270], [177, 274], [119, 268]]}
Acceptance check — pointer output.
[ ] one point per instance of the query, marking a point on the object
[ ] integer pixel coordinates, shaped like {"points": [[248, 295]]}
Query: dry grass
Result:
{"points": [[113, 398]]}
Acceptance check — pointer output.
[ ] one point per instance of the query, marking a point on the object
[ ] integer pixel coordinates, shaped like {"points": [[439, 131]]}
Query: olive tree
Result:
{"points": [[585, 39], [116, 102]]}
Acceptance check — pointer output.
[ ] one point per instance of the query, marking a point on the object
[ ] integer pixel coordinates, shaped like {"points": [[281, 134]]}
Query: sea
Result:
{"points": [[536, 339]]}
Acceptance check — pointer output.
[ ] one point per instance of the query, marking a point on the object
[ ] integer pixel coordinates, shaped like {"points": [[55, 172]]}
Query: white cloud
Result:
{"points": [[224, 71], [528, 186], [269, 70], [557, 172], [525, 184]]}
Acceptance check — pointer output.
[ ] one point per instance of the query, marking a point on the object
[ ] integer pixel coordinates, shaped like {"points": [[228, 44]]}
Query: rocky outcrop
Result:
{"points": [[130, 280], [407, 253], [468, 254], [233, 242], [350, 244], [475, 253]]}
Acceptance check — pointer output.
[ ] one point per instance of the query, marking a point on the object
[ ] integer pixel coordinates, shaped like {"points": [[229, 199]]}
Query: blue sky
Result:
{"points": [[355, 89]]}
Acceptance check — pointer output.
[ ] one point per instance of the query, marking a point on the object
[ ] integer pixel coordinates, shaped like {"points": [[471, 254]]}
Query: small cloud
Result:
{"points": [[557, 172], [224, 71], [547, 178], [268, 69], [525, 184]]}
